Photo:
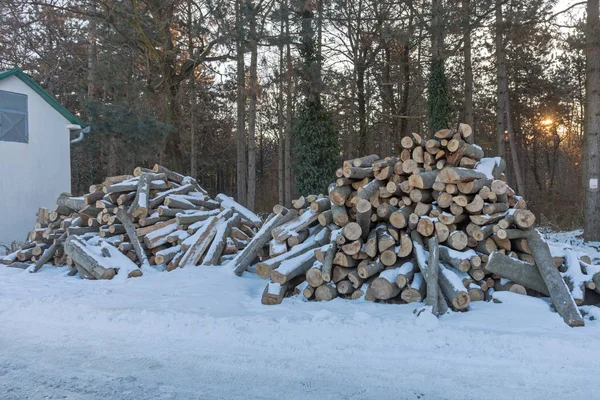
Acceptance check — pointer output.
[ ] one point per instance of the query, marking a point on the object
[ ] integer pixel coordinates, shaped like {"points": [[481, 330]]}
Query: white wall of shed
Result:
{"points": [[33, 174]]}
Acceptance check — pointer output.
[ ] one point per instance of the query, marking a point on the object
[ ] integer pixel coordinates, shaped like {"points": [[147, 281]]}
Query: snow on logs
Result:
{"points": [[155, 218], [437, 223], [370, 237]]}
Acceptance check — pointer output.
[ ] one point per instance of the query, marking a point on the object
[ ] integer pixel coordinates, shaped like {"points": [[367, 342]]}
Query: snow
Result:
{"points": [[196, 195], [198, 224], [220, 229], [128, 182], [142, 199], [165, 230], [406, 268], [183, 212], [452, 278], [296, 250], [118, 260], [291, 264], [10, 257], [461, 255], [266, 227], [292, 227], [417, 281], [390, 274], [169, 250], [277, 247], [274, 288], [486, 166], [187, 243], [323, 235], [335, 233], [422, 255], [180, 234], [202, 333], [189, 180], [229, 202], [171, 191], [159, 337], [573, 273]]}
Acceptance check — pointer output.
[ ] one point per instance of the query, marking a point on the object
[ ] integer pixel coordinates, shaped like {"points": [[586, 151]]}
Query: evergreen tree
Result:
{"points": [[438, 99], [316, 139], [317, 148]]}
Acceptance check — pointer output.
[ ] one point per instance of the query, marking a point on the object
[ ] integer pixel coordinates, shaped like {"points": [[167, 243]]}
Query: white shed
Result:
{"points": [[35, 156]]}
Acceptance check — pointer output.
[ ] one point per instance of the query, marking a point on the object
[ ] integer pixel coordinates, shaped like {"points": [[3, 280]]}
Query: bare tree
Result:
{"points": [[241, 174], [591, 149], [468, 67], [504, 116]]}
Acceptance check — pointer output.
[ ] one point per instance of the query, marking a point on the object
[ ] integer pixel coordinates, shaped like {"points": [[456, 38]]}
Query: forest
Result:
{"points": [[262, 99]]}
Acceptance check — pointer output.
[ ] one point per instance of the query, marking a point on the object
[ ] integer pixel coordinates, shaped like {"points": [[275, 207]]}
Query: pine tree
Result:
{"points": [[316, 139]]}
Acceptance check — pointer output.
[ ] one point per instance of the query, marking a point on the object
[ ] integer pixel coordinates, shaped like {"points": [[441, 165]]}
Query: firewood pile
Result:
{"points": [[155, 217], [437, 224]]}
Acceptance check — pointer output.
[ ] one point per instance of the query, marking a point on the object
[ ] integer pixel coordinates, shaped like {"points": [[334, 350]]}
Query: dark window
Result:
{"points": [[13, 117]]}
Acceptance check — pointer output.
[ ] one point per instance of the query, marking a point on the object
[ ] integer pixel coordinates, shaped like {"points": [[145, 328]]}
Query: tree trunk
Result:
{"points": [[406, 80], [288, 112], [504, 116], [281, 167], [240, 105], [469, 118], [250, 201], [92, 55], [173, 150], [387, 94], [193, 155], [513, 147], [133, 237], [501, 77], [219, 242], [559, 292], [77, 250], [591, 148], [437, 30], [266, 267], [293, 267], [432, 275], [517, 271], [362, 109]]}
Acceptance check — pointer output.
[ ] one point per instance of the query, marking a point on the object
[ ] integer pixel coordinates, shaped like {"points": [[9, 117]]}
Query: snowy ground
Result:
{"points": [[201, 333]]}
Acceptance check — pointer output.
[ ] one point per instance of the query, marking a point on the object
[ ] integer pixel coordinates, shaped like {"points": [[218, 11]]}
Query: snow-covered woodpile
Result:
{"points": [[153, 217], [437, 224]]}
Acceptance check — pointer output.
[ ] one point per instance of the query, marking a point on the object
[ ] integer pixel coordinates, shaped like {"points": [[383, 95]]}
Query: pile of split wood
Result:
{"points": [[153, 217], [438, 224]]}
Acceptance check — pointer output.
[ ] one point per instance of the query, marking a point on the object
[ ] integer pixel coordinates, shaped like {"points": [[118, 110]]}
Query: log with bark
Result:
{"points": [[441, 189], [377, 234], [150, 217]]}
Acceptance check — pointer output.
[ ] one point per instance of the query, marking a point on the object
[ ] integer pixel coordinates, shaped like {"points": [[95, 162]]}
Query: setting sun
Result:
{"points": [[547, 121]]}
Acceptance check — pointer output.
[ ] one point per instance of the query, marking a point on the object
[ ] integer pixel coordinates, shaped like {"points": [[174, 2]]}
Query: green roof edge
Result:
{"points": [[43, 94]]}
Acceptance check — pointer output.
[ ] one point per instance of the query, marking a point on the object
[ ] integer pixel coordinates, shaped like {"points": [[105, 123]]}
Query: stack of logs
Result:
{"points": [[437, 224], [155, 217]]}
